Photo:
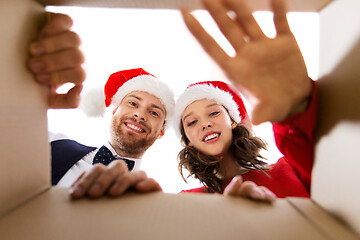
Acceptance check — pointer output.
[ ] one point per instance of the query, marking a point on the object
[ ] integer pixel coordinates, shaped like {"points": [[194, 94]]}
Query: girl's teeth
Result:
{"points": [[211, 136]]}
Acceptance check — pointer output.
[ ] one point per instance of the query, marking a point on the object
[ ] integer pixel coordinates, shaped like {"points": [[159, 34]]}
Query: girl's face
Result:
{"points": [[208, 127]]}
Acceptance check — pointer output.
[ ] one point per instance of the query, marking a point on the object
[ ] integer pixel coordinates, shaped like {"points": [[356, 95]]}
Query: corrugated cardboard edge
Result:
{"points": [[330, 226], [24, 148], [155, 216], [257, 5]]}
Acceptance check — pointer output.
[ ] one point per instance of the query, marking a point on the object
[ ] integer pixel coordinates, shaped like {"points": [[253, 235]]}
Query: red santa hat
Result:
{"points": [[212, 90], [122, 83]]}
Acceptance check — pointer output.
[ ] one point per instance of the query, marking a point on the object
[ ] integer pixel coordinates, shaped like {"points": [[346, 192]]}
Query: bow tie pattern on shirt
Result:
{"points": [[105, 157]]}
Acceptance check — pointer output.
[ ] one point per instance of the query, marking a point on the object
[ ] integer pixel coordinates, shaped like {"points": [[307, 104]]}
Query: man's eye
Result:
{"points": [[191, 123], [132, 104], [214, 113], [154, 113]]}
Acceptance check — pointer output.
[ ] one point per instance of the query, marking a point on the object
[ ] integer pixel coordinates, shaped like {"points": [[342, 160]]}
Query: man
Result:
{"points": [[142, 106]]}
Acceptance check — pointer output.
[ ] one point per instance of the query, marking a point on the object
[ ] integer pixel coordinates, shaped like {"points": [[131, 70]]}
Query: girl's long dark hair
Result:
{"points": [[245, 148]]}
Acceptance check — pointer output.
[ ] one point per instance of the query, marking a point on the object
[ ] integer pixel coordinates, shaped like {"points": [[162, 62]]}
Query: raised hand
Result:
{"points": [[271, 73], [56, 59]]}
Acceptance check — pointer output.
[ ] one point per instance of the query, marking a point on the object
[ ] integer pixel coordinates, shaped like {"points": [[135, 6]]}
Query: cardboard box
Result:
{"points": [[31, 209]]}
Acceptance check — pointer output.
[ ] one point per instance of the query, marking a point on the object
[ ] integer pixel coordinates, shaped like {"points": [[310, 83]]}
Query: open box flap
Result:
{"points": [[155, 216], [257, 5]]}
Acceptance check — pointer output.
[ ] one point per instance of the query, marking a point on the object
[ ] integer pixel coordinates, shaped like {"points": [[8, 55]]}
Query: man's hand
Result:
{"points": [[248, 189], [112, 180], [271, 73], [56, 59]]}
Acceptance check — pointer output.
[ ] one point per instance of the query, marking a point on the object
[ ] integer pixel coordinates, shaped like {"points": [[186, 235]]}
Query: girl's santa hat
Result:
{"points": [[211, 90], [122, 83]]}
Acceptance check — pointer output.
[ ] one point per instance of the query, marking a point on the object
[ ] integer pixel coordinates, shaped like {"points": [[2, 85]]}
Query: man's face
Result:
{"points": [[136, 123]]}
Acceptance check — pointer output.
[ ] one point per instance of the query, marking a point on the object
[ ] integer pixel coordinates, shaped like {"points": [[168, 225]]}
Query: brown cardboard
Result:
{"points": [[335, 177], [331, 227], [156, 216], [258, 5], [30, 209], [24, 172]]}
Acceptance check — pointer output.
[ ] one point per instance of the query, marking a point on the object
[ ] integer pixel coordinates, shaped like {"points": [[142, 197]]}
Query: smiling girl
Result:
{"points": [[219, 144]]}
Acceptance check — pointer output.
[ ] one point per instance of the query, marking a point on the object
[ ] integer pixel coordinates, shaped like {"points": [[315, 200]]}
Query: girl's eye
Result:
{"points": [[191, 123], [132, 104], [214, 113]]}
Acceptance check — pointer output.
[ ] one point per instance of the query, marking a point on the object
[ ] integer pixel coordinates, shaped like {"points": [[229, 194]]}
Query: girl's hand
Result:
{"points": [[270, 72], [249, 189]]}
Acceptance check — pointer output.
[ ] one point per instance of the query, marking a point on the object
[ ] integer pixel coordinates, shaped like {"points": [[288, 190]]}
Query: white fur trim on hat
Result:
{"points": [[204, 91], [149, 84], [92, 102]]}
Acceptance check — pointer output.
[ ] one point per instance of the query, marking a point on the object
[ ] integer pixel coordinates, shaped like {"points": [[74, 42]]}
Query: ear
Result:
{"points": [[162, 132], [233, 124], [114, 111]]}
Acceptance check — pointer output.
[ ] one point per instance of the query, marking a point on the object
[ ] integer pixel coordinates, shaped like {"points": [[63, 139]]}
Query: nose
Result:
{"points": [[207, 125], [138, 116]]}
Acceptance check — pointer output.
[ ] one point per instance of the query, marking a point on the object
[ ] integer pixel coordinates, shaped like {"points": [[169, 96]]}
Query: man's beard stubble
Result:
{"points": [[128, 142]]}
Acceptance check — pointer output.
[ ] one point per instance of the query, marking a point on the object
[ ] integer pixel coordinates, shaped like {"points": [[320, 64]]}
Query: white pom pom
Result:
{"points": [[92, 102]]}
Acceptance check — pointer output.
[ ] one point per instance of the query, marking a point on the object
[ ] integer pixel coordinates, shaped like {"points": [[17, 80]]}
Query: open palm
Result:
{"points": [[271, 73]]}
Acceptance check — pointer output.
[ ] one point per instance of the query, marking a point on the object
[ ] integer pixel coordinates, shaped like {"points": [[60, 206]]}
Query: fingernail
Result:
{"points": [[43, 78], [37, 65], [272, 196], [235, 179], [76, 191], [37, 49]]}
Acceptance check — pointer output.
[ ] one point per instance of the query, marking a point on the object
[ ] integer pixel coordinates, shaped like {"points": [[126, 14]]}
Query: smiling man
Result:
{"points": [[142, 106], [132, 134]]}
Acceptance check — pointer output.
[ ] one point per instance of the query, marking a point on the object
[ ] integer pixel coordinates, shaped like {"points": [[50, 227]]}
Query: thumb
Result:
{"points": [[232, 188]]}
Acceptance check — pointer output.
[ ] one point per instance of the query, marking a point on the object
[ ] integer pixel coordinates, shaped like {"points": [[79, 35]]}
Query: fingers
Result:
{"points": [[233, 188], [69, 100], [245, 19], [74, 75], [227, 25], [205, 40], [58, 61], [51, 44], [268, 195], [148, 185], [57, 23], [126, 181], [281, 24], [249, 189], [97, 180]]}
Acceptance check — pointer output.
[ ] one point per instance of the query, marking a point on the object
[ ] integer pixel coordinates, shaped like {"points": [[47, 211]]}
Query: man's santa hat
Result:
{"points": [[122, 83], [211, 90]]}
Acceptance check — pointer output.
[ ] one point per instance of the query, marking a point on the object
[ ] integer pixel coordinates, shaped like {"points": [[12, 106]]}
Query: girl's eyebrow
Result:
{"points": [[212, 104], [207, 106], [187, 115]]}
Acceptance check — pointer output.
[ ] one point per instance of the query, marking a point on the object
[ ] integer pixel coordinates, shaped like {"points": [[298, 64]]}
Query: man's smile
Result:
{"points": [[134, 127]]}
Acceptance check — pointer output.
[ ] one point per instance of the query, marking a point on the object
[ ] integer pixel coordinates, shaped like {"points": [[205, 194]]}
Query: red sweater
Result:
{"points": [[291, 174]]}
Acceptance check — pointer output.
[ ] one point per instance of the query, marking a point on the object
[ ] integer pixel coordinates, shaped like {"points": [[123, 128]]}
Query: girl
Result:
{"points": [[218, 143]]}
